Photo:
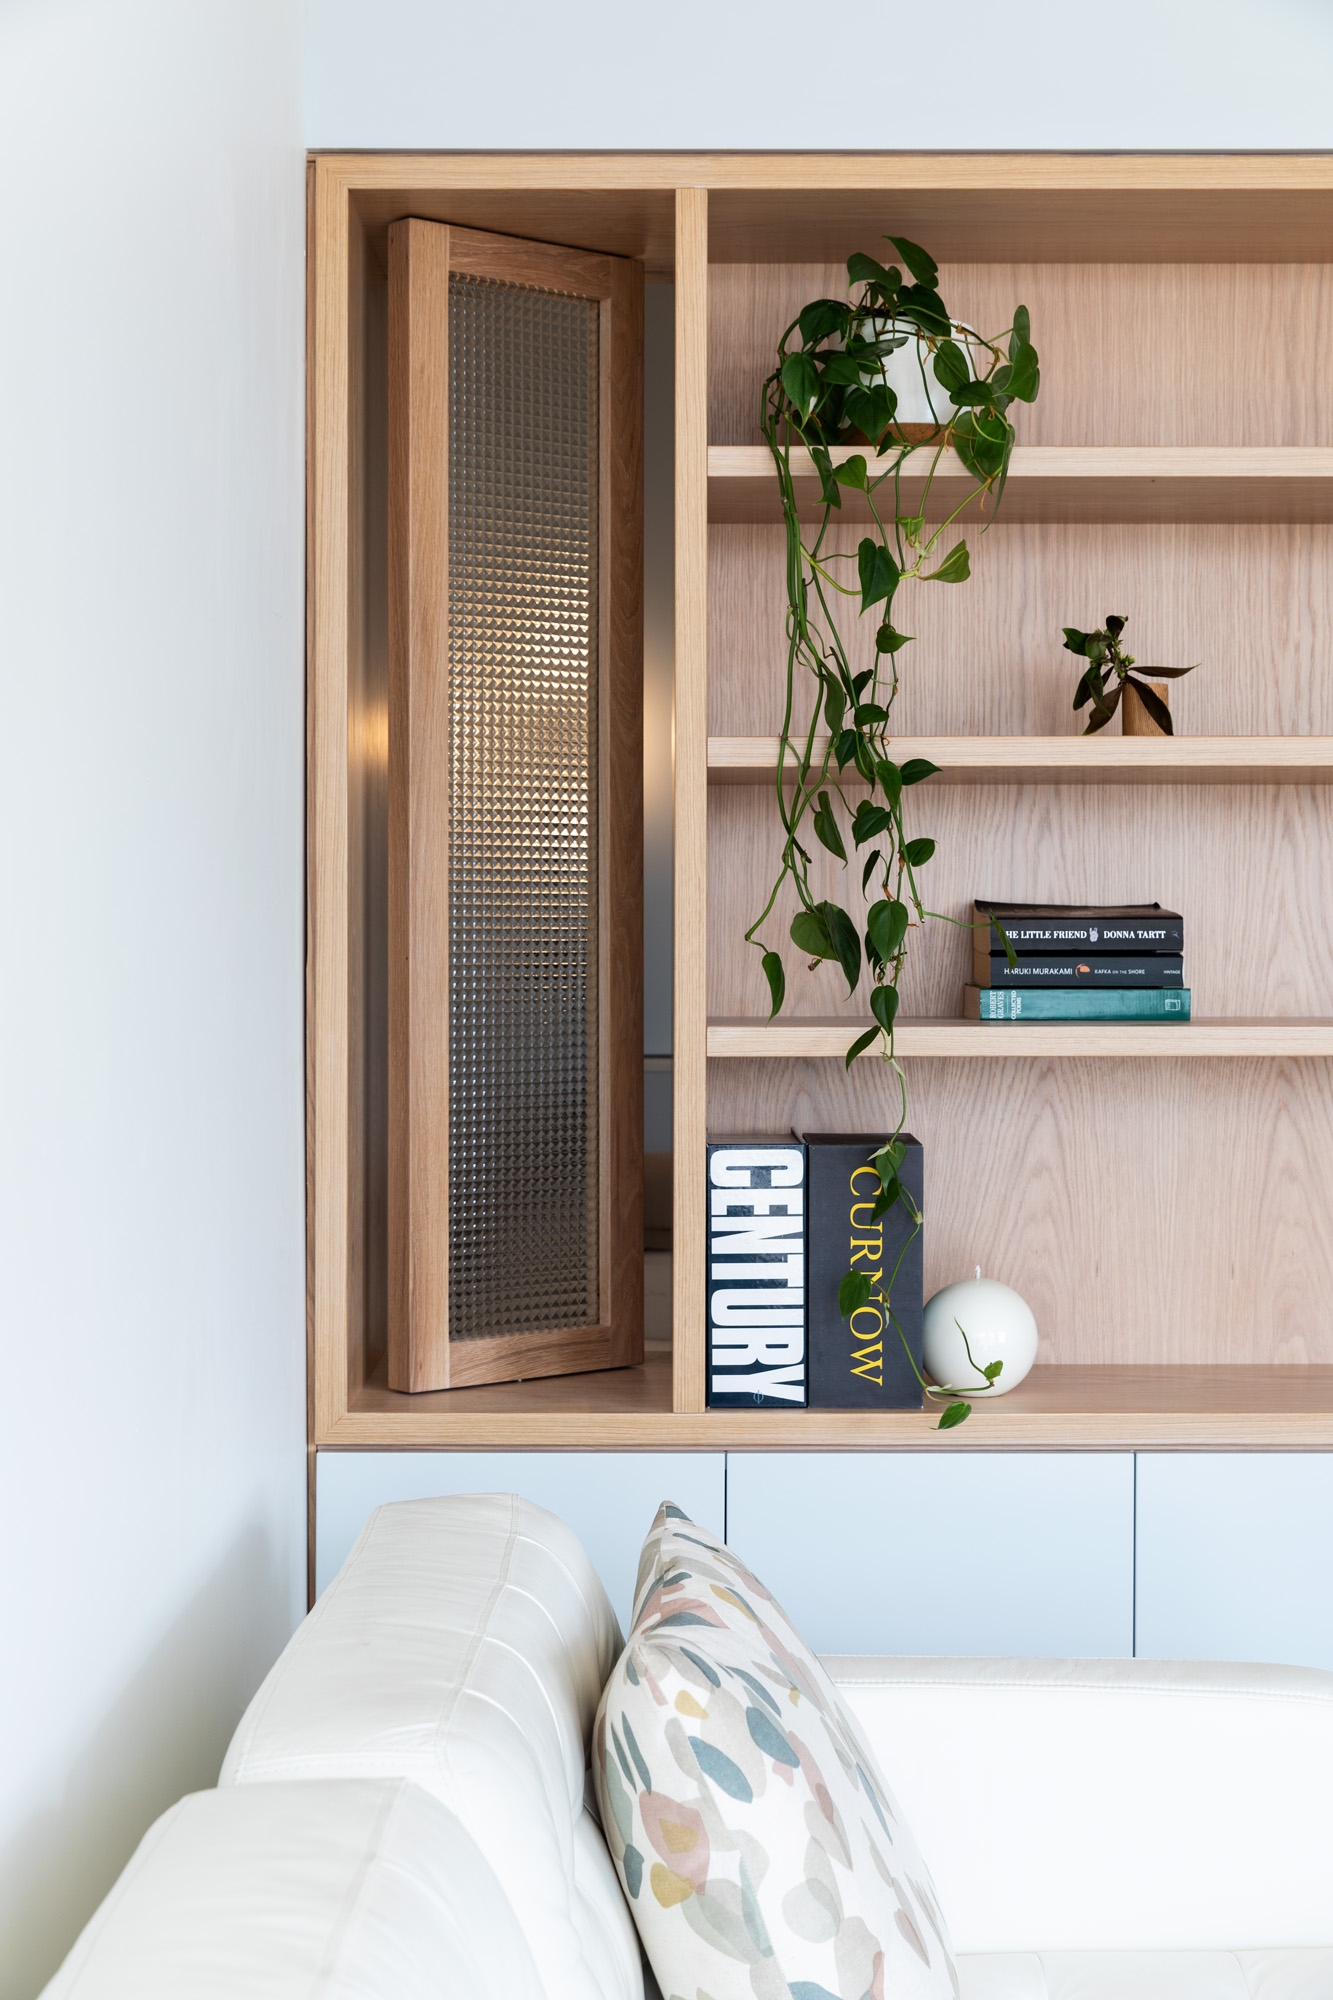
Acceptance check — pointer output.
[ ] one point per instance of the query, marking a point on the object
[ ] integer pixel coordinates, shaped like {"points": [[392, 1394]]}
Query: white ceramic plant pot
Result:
{"points": [[901, 371], [999, 1326]]}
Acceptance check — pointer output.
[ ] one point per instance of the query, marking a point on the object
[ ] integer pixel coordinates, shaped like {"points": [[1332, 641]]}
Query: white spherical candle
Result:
{"points": [[999, 1327]]}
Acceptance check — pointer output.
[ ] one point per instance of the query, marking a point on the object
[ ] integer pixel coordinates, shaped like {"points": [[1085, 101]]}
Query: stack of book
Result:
{"points": [[1077, 962], [787, 1219]]}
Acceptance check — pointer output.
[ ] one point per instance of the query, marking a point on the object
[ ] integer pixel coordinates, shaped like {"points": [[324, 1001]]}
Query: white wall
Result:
{"points": [[738, 73], [151, 1270]]}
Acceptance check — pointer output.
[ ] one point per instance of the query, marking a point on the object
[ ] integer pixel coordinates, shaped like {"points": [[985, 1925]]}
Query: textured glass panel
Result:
{"points": [[523, 1083]]}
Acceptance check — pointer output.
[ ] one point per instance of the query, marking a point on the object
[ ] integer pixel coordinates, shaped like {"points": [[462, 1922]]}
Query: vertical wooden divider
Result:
{"points": [[327, 915], [690, 1065], [418, 1333]]}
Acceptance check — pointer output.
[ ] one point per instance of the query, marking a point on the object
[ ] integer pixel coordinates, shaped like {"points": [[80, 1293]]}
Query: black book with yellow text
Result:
{"points": [[862, 1363]]}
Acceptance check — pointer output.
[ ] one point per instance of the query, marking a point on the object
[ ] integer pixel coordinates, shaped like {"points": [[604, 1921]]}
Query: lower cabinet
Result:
{"points": [[998, 1553], [1235, 1556], [1194, 1555], [609, 1498]]}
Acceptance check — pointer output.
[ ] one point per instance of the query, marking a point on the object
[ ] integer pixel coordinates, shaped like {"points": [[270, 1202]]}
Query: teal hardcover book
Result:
{"points": [[1079, 1003]]}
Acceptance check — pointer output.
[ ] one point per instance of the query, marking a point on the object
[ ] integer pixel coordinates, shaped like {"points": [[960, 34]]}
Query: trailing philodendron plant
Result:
{"points": [[831, 389]]}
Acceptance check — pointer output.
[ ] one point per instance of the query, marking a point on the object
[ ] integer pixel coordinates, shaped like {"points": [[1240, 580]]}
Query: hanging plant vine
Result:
{"points": [[830, 390]]}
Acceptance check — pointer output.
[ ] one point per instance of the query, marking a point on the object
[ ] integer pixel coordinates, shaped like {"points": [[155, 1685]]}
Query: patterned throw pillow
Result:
{"points": [[762, 1853]]}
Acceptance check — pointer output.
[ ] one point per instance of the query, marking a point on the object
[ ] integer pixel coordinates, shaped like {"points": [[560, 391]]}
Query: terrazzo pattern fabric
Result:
{"points": [[762, 1854]]}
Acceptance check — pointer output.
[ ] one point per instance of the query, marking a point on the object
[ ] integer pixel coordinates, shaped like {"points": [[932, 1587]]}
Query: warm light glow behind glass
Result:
{"points": [[523, 513]]}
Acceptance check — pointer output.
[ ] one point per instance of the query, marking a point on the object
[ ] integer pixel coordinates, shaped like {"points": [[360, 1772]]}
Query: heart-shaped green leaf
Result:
{"points": [[951, 369], [886, 927], [919, 851], [890, 1194], [954, 569], [800, 380], [884, 1005], [1024, 375], [869, 821], [917, 769], [840, 371], [862, 270], [918, 261], [924, 307], [879, 573], [777, 981], [846, 942], [853, 1292], [890, 779], [826, 828], [821, 318], [871, 410], [859, 1046], [809, 933]]}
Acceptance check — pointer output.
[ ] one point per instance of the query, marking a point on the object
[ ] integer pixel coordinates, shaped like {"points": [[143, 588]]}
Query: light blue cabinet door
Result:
{"points": [[987, 1553], [608, 1497], [1235, 1557]]}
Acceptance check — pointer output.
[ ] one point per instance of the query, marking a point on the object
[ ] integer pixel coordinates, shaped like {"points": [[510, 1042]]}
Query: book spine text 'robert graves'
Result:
{"points": [[756, 1273], [860, 1363]]}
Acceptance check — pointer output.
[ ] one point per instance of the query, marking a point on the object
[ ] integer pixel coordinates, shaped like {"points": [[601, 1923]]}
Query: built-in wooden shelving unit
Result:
{"points": [[1163, 1195]]}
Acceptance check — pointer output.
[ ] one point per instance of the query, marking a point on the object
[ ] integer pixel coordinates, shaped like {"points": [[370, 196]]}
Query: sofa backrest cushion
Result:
{"points": [[464, 1644], [1112, 1805], [361, 1890]]}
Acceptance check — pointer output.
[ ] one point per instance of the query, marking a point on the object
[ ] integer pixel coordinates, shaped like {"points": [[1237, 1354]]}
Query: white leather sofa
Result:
{"points": [[402, 1812]]}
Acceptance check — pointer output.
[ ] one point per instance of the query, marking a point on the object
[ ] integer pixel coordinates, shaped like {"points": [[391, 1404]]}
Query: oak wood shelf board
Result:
{"points": [[831, 1036], [1057, 1408], [1106, 484], [797, 207], [1058, 760]]}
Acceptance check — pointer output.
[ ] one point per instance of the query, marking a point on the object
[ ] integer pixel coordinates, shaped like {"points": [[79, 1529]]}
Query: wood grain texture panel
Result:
{"points": [[636, 223], [1283, 175], [826, 1037], [1244, 865], [367, 807], [786, 207], [327, 1026], [620, 821], [419, 780], [691, 800], [1058, 1408], [1152, 1213], [421, 1355], [1058, 760], [1173, 361], [1254, 605], [1109, 485]]}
